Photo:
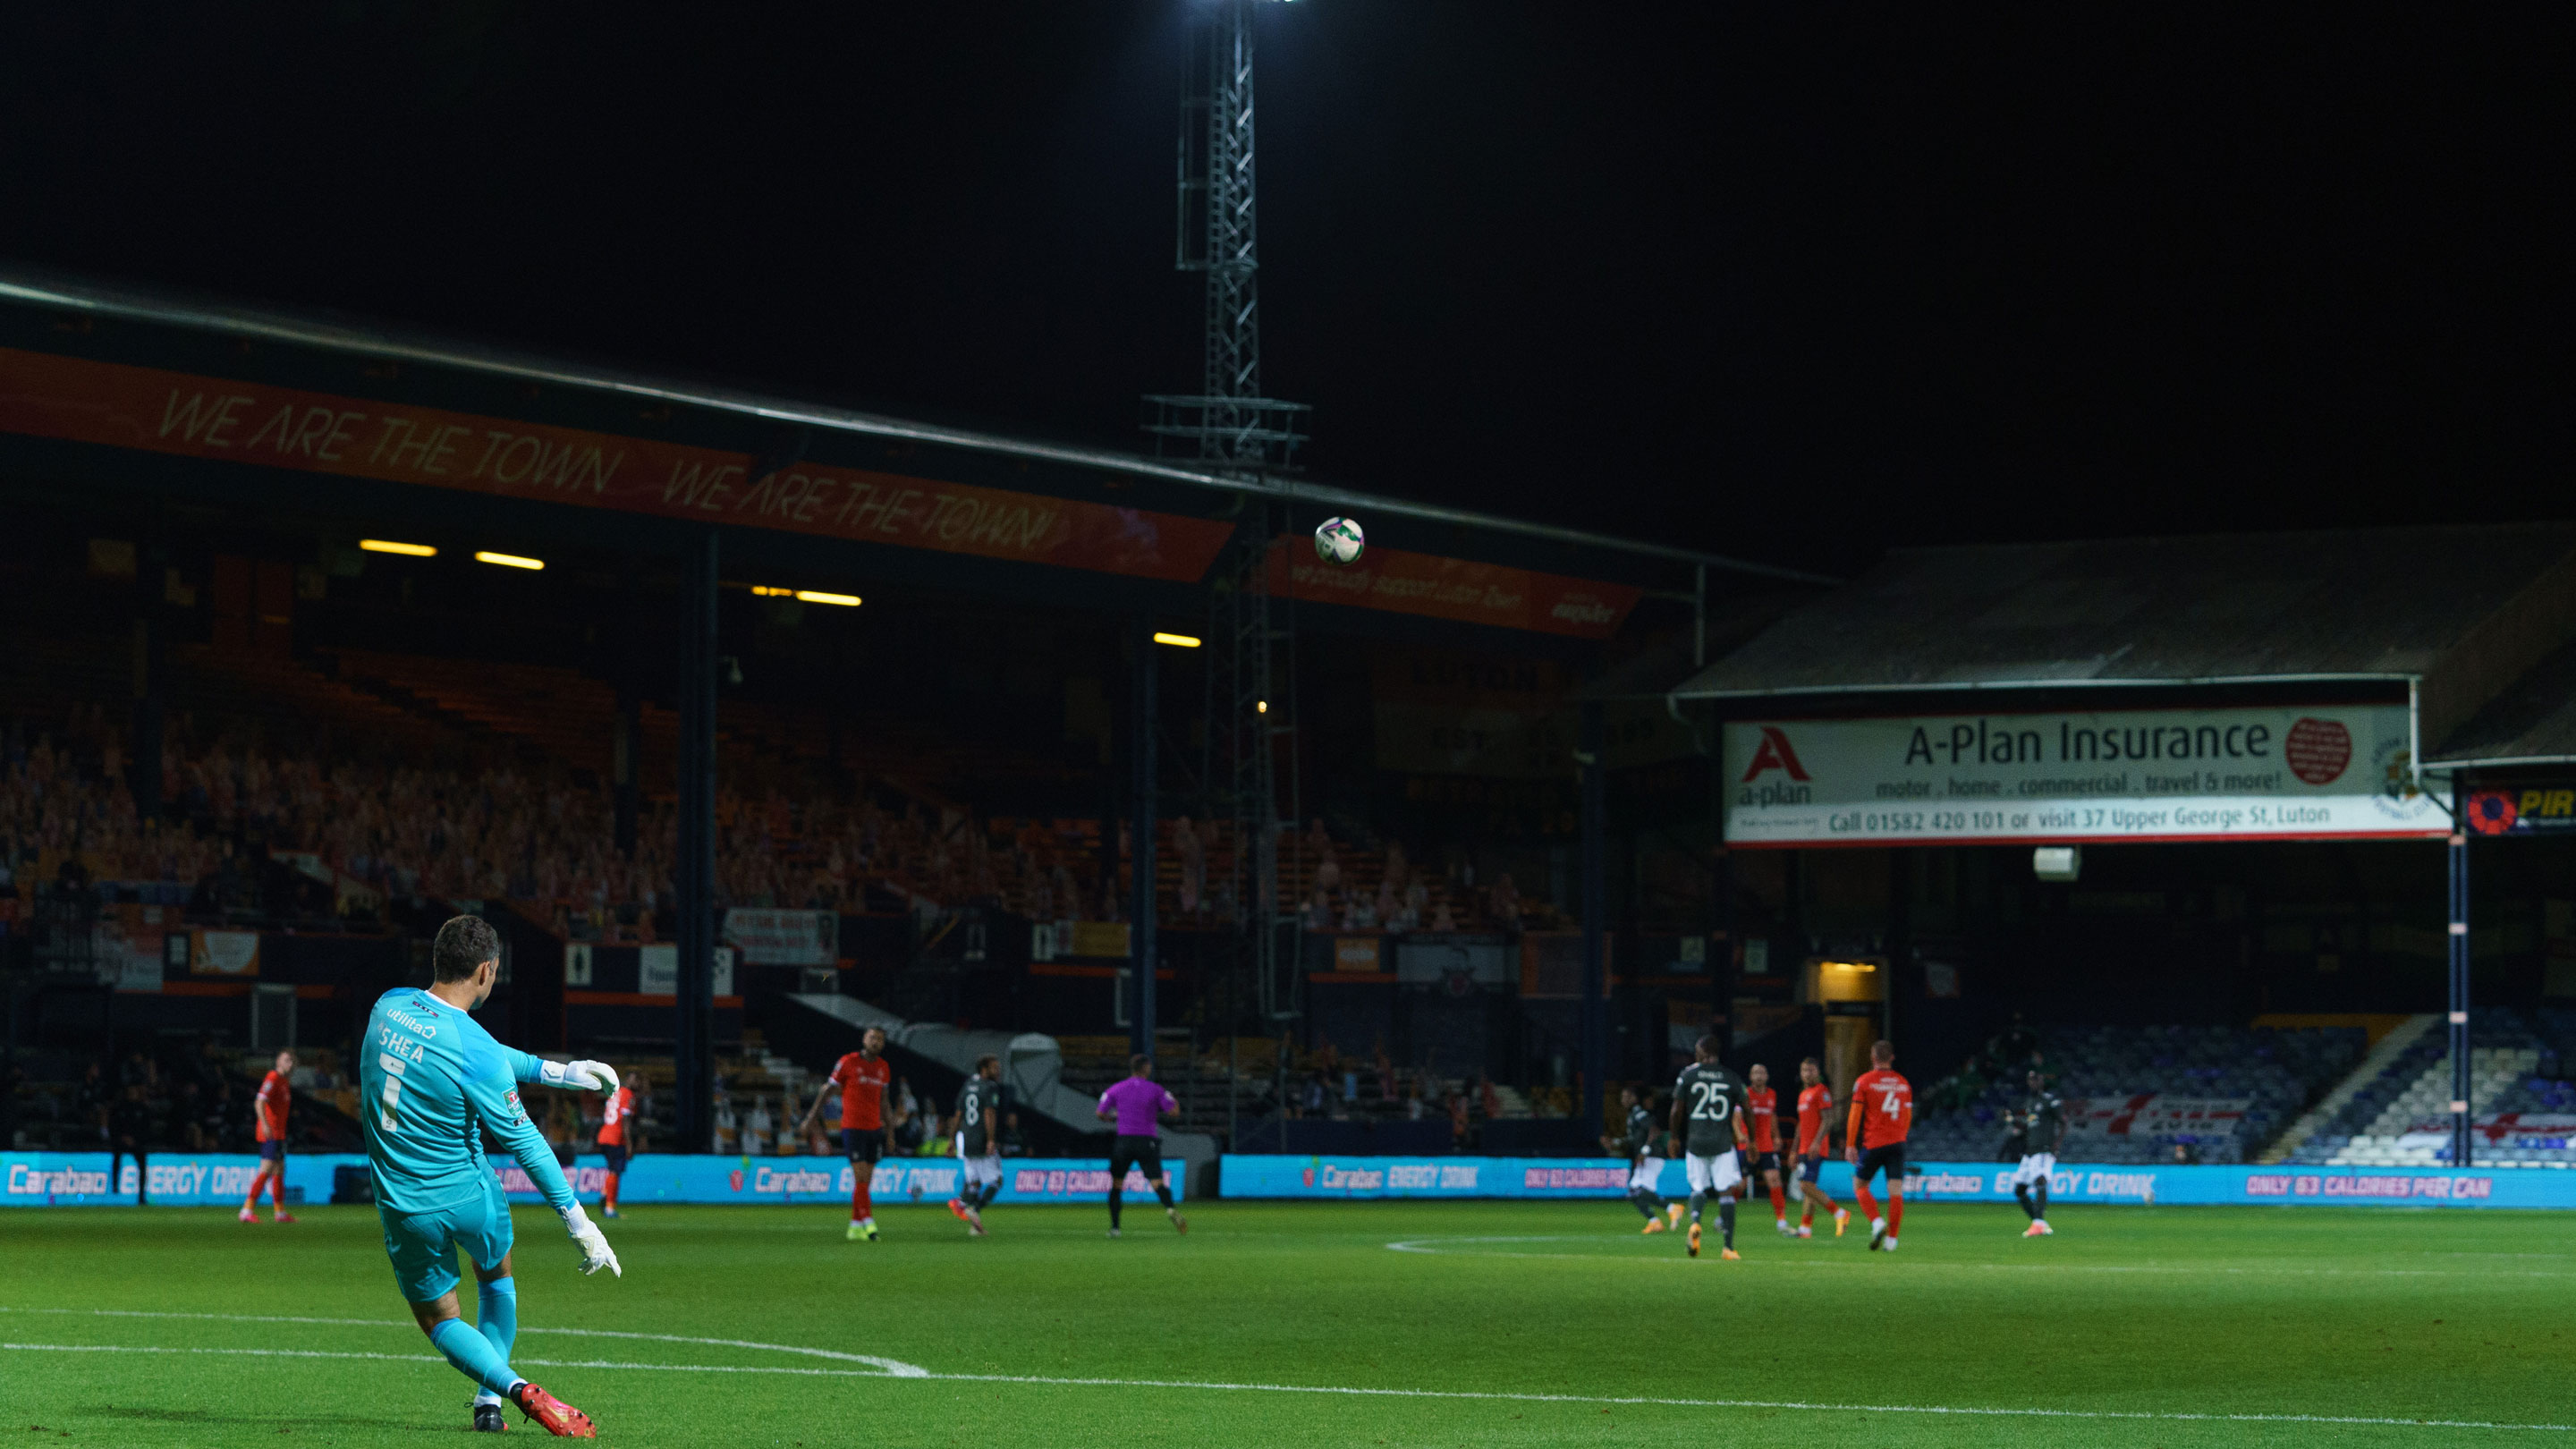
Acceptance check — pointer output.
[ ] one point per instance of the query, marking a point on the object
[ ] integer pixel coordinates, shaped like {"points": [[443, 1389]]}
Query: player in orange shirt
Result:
{"points": [[269, 1113], [1882, 1112], [861, 1078], [619, 1136], [1815, 1141], [1762, 1112]]}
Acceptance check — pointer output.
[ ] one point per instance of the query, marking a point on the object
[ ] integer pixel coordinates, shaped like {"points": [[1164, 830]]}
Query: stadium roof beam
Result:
{"points": [[373, 340]]}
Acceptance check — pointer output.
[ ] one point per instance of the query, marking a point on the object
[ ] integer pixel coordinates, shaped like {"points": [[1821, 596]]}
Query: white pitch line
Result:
{"points": [[1436, 1248], [887, 1366], [1795, 1405], [432, 1358]]}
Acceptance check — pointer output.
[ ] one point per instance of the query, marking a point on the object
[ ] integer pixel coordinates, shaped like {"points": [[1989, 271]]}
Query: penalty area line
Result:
{"points": [[1347, 1391]]}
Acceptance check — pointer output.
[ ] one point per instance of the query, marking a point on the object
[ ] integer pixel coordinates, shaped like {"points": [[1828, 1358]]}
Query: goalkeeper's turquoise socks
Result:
{"points": [[474, 1355], [496, 1314]]}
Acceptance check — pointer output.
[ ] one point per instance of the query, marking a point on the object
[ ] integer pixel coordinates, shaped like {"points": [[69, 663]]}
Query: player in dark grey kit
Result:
{"points": [[1708, 1119], [978, 1125], [2041, 1126], [1636, 1142]]}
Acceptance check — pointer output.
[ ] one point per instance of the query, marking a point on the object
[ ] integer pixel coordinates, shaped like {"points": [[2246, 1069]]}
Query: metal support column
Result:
{"points": [[1143, 715], [1596, 911], [2459, 1019], [695, 869]]}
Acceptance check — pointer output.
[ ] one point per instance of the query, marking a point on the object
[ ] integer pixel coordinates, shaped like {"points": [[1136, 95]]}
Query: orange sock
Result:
{"points": [[1779, 1202], [608, 1191], [1868, 1204], [277, 1188], [1807, 1214], [1895, 1212]]}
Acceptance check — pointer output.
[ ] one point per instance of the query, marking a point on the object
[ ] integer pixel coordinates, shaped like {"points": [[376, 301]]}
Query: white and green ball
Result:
{"points": [[1339, 541]]}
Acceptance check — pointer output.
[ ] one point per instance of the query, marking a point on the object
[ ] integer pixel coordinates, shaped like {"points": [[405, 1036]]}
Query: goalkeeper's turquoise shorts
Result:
{"points": [[423, 1245]]}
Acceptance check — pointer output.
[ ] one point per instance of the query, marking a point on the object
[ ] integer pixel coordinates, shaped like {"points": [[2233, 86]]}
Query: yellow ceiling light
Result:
{"points": [[764, 591], [1177, 641], [817, 596], [407, 550], [508, 560]]}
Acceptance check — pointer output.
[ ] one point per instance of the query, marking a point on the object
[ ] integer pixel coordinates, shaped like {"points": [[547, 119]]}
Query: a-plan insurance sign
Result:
{"points": [[2320, 772]]}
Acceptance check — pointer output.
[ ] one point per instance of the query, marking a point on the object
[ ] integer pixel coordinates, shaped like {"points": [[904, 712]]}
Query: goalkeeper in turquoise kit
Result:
{"points": [[432, 1082]]}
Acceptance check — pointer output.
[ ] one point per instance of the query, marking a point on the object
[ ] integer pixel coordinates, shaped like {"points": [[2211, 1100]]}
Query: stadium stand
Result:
{"points": [[2136, 1094], [2524, 1114]]}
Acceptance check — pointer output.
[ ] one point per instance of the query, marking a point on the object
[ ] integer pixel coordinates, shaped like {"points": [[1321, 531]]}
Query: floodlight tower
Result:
{"points": [[1227, 422], [1229, 426]]}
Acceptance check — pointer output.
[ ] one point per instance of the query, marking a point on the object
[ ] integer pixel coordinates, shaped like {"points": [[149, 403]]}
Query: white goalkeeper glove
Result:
{"points": [[595, 1252], [583, 1076]]}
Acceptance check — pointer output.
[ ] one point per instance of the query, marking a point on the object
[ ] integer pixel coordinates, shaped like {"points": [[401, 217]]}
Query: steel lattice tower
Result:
{"points": [[1229, 426], [1227, 422]]}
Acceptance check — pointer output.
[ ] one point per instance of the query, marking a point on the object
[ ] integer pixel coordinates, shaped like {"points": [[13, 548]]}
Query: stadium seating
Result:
{"points": [[2525, 1115], [2135, 1094]]}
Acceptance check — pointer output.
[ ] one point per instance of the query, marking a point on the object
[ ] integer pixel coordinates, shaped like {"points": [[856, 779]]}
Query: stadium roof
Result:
{"points": [[2459, 612], [349, 336], [2533, 722]]}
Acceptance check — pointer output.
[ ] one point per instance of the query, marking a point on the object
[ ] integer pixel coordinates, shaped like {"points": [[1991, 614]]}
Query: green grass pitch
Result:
{"points": [[1483, 1323]]}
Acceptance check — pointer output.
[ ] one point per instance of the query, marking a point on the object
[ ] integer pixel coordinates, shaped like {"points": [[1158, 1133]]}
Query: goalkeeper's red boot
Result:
{"points": [[552, 1414]]}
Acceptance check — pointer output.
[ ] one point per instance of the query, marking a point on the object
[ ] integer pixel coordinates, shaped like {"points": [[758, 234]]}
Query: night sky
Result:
{"points": [[1797, 283]]}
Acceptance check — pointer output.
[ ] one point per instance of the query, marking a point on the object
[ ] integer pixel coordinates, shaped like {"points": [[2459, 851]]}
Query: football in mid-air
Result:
{"points": [[1339, 541]]}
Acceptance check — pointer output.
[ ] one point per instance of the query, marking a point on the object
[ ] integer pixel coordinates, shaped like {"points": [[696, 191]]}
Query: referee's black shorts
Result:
{"points": [[1145, 1153]]}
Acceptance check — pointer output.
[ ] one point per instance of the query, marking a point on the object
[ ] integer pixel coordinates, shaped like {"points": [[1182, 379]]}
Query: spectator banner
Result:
{"points": [[784, 938], [223, 953], [2542, 810], [2321, 772], [1452, 588], [657, 970], [146, 408], [2148, 1115]]}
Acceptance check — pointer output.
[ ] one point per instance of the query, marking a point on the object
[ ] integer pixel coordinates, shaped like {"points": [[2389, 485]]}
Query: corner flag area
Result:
{"points": [[1326, 1324]]}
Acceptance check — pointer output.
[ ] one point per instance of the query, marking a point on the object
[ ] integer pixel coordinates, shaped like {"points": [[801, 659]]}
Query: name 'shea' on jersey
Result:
{"points": [[431, 1081]]}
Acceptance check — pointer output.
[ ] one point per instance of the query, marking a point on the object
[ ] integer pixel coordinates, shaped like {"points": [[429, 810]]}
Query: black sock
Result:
{"points": [[1642, 1201], [2039, 1190], [991, 1191], [1114, 1203], [1163, 1195], [2021, 1192], [1726, 1219], [1698, 1199]]}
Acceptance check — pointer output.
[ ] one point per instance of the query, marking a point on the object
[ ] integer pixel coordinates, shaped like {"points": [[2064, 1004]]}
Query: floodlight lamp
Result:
{"points": [[817, 596], [508, 560], [1177, 641], [407, 550]]}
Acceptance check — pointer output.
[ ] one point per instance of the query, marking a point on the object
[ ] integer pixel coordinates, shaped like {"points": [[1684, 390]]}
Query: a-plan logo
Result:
{"points": [[1774, 753]]}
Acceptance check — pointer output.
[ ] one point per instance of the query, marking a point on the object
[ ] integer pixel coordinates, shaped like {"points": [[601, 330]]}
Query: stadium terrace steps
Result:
{"points": [[1032, 1066], [2399, 1116], [2383, 1052]]}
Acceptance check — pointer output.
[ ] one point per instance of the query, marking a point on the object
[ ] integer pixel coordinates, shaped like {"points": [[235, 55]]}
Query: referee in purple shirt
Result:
{"points": [[1136, 1103]]}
